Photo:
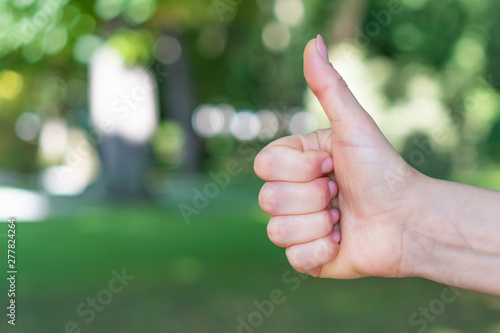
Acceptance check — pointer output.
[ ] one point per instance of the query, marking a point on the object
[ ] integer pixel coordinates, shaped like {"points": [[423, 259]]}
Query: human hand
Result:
{"points": [[373, 213]]}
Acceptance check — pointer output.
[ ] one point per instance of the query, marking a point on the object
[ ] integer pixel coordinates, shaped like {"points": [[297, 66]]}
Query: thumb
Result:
{"points": [[350, 122]]}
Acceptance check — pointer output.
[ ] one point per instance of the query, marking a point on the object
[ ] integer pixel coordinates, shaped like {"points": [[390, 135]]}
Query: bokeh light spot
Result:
{"points": [[23, 204], [245, 125], [302, 123], [85, 48], [269, 124], [208, 121], [53, 140], [63, 180], [55, 40], [108, 9], [11, 84], [167, 50], [228, 112], [276, 36], [290, 12], [139, 11], [28, 126], [470, 54], [169, 141]]}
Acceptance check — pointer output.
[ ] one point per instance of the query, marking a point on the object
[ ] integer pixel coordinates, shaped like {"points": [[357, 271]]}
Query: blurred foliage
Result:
{"points": [[45, 47], [169, 144], [16, 154], [454, 42], [493, 142], [418, 152]]}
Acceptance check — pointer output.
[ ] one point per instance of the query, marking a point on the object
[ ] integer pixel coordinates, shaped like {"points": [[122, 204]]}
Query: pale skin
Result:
{"points": [[394, 221]]}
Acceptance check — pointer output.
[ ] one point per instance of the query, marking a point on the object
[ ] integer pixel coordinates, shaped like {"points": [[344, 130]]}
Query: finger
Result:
{"points": [[329, 87], [307, 257], [350, 122], [283, 198], [296, 158], [337, 233], [296, 229], [334, 203], [281, 163]]}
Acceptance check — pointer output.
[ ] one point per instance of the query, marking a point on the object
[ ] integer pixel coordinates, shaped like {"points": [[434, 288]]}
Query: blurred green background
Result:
{"points": [[128, 130]]}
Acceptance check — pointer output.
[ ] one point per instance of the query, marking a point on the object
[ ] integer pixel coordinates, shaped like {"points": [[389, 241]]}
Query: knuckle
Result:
{"points": [[267, 198], [299, 262], [294, 260], [262, 163], [274, 232], [341, 82], [323, 92], [310, 168], [322, 189], [325, 250]]}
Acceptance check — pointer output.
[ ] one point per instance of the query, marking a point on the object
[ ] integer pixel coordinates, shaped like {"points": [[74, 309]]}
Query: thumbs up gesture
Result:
{"points": [[328, 192]]}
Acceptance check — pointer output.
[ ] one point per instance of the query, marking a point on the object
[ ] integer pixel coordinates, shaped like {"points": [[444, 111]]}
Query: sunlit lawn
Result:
{"points": [[201, 277]]}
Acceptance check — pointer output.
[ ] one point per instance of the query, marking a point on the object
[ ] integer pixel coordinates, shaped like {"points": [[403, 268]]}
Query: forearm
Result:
{"points": [[455, 238]]}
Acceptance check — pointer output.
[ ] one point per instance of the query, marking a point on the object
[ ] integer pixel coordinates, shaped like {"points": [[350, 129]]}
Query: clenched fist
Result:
{"points": [[328, 193]]}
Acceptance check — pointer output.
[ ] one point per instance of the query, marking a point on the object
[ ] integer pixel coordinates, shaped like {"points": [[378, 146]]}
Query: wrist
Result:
{"points": [[435, 238], [417, 239], [451, 238]]}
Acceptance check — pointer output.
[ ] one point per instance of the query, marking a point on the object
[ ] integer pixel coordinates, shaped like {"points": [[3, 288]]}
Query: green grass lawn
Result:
{"points": [[203, 276]]}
